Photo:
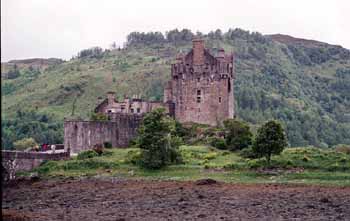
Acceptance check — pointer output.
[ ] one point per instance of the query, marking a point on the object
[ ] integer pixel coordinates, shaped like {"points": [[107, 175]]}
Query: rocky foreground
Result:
{"points": [[116, 199]]}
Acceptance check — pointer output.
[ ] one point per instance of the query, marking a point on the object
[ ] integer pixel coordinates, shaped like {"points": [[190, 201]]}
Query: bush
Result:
{"points": [[343, 148], [47, 166], [254, 164], [237, 134], [86, 155], [134, 157], [218, 143], [99, 117], [98, 148], [271, 139], [88, 164], [248, 153], [210, 156], [158, 141], [306, 158], [107, 145], [25, 143]]}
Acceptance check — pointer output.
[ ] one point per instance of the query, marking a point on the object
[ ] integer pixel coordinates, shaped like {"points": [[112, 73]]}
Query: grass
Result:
{"points": [[322, 167]]}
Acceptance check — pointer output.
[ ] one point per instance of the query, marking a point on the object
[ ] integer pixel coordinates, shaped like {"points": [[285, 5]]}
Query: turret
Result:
{"points": [[111, 97]]}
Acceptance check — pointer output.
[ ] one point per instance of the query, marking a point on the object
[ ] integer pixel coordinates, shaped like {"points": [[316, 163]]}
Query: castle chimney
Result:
{"points": [[111, 97], [198, 51], [221, 54]]}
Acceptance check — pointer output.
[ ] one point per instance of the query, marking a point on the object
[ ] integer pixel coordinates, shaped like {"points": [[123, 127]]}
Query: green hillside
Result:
{"points": [[305, 84]]}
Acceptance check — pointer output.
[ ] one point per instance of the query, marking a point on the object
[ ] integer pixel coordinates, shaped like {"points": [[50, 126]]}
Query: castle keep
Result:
{"points": [[200, 90], [201, 86]]}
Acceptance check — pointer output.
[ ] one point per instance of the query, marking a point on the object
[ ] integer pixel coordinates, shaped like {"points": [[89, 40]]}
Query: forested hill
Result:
{"points": [[304, 83]]}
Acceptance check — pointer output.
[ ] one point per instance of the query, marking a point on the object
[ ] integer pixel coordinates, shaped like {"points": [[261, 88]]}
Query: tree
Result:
{"points": [[157, 140], [271, 139], [237, 134], [113, 45], [25, 143]]}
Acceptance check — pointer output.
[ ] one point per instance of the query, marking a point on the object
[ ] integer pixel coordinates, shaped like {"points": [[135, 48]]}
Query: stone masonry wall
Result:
{"points": [[83, 135], [14, 161]]}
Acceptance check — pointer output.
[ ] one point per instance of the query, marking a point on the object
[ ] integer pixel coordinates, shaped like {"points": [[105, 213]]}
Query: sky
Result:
{"points": [[61, 28]]}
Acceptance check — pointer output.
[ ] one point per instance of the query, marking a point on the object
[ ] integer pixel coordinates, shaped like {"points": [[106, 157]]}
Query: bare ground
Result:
{"points": [[116, 199]]}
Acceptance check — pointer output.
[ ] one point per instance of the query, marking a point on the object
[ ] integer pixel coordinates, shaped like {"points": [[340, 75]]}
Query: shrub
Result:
{"points": [[25, 143], [98, 148], [133, 156], [218, 143], [271, 139], [158, 141], [248, 153], [107, 145], [47, 166], [86, 155], [343, 148], [306, 158], [254, 164], [232, 166], [88, 164], [210, 156], [237, 134], [99, 117]]}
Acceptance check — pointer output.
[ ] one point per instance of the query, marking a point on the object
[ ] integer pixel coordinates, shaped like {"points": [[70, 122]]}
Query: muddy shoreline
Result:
{"points": [[120, 199]]}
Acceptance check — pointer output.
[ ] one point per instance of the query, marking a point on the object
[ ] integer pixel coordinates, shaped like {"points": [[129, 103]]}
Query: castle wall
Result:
{"points": [[15, 161], [202, 92], [83, 135]]}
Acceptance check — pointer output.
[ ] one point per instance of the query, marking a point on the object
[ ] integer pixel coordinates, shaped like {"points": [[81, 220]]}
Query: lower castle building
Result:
{"points": [[200, 90]]}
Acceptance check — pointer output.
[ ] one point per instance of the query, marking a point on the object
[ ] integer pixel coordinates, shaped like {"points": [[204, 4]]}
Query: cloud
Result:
{"points": [[60, 28]]}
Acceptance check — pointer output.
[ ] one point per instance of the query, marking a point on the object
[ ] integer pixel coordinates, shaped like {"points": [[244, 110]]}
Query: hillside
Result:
{"points": [[304, 83]]}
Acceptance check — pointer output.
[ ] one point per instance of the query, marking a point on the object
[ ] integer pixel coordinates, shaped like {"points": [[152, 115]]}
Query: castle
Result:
{"points": [[200, 90], [201, 86]]}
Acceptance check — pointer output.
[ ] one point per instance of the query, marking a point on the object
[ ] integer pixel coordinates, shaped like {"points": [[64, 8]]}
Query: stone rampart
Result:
{"points": [[14, 161], [83, 135]]}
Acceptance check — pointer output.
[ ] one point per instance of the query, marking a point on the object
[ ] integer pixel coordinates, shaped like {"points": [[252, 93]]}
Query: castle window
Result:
{"points": [[132, 110], [198, 92], [229, 86], [198, 99], [219, 99], [109, 111], [198, 79], [138, 110]]}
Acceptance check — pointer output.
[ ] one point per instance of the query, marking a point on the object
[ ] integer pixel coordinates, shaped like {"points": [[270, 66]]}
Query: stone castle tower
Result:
{"points": [[201, 86]]}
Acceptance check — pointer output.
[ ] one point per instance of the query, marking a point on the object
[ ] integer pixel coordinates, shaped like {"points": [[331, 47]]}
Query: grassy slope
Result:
{"points": [[270, 84], [320, 167]]}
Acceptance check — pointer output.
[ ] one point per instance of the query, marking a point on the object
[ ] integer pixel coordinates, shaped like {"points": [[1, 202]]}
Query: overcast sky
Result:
{"points": [[61, 28]]}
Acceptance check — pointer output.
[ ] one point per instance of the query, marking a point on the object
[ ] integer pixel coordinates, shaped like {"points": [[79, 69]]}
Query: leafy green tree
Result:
{"points": [[237, 134], [157, 140], [41, 127], [25, 143], [271, 139]]}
